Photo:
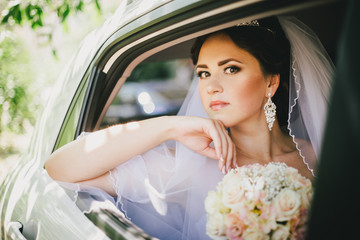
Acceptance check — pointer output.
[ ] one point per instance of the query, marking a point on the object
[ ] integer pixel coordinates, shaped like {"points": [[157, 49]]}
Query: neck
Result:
{"points": [[258, 144]]}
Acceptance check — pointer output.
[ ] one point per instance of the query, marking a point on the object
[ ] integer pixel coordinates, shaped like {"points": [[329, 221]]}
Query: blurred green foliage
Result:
{"points": [[19, 99], [17, 103], [34, 12], [40, 14]]}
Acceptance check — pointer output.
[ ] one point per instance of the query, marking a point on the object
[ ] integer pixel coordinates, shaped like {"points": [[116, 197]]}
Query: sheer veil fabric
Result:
{"points": [[310, 81], [164, 193]]}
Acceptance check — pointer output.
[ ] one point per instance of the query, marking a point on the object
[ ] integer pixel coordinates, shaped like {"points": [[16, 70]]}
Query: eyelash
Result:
{"points": [[234, 70], [202, 72]]}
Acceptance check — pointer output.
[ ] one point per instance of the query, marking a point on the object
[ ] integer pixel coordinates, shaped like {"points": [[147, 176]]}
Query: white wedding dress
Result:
{"points": [[164, 193]]}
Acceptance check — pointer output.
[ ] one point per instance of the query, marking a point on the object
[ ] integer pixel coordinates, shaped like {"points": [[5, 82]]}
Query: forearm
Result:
{"points": [[101, 151]]}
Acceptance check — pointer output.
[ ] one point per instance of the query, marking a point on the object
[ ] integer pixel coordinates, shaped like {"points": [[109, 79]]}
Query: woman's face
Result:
{"points": [[231, 84]]}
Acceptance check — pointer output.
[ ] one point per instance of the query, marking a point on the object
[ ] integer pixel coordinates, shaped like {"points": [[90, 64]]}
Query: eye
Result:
{"points": [[203, 74], [232, 70]]}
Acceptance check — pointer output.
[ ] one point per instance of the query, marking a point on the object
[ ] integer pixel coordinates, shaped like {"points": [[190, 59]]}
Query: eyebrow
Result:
{"points": [[219, 63], [228, 60], [202, 66]]}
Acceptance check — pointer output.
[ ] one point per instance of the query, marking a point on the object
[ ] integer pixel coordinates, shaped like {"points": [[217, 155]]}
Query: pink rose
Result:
{"points": [[235, 226], [233, 191], [287, 204], [255, 234], [281, 233], [267, 220]]}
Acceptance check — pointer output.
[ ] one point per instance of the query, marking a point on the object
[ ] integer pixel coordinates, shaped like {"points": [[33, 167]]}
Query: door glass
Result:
{"points": [[153, 89]]}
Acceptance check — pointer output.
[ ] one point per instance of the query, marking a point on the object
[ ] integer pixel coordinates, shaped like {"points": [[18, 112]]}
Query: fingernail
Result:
{"points": [[223, 170], [221, 159]]}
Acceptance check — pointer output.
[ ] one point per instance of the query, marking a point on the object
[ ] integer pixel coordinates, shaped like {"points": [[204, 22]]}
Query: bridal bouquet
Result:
{"points": [[259, 202]]}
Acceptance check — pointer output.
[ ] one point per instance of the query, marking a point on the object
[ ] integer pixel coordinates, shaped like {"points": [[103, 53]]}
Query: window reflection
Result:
{"points": [[153, 89]]}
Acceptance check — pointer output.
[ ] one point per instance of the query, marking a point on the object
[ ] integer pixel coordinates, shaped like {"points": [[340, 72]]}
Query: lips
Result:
{"points": [[218, 105]]}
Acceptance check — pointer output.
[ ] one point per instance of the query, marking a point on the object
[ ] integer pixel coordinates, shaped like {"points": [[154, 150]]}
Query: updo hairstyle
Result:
{"points": [[268, 44]]}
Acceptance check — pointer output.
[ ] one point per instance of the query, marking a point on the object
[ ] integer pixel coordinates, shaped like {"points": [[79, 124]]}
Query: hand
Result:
{"points": [[197, 134]]}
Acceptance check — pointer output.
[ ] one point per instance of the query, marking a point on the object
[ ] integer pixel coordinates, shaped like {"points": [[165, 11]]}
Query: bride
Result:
{"points": [[161, 169]]}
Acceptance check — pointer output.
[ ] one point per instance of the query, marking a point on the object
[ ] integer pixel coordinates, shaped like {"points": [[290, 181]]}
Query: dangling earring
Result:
{"points": [[270, 112]]}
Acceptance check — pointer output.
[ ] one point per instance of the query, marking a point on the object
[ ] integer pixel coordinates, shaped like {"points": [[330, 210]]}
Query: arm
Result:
{"points": [[97, 153]]}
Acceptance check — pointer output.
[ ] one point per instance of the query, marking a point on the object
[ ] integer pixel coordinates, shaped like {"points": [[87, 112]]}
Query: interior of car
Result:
{"points": [[156, 83], [172, 69]]}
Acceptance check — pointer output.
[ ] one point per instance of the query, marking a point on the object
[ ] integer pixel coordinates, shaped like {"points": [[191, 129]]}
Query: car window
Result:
{"points": [[153, 89]]}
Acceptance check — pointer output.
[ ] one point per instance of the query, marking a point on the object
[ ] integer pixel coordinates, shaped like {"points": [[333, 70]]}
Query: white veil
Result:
{"points": [[310, 80], [171, 188], [164, 193]]}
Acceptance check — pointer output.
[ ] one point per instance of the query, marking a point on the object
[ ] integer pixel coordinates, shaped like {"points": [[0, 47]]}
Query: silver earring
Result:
{"points": [[270, 112]]}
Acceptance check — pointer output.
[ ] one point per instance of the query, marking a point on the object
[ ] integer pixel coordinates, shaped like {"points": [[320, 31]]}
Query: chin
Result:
{"points": [[225, 120], [228, 124]]}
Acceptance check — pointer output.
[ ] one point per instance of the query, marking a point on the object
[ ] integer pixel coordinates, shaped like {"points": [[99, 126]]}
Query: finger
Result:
{"points": [[210, 152], [228, 148], [224, 143], [221, 163], [234, 157], [230, 152], [216, 139]]}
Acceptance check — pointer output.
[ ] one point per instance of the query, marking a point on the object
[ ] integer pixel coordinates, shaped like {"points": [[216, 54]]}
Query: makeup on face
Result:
{"points": [[231, 83]]}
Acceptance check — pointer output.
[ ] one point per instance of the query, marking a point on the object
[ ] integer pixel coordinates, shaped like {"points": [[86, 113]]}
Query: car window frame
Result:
{"points": [[148, 43], [124, 64]]}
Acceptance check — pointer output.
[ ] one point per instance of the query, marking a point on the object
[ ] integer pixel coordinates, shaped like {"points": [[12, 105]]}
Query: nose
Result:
{"points": [[214, 86]]}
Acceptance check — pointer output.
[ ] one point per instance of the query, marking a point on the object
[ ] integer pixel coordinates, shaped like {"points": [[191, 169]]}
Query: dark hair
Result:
{"points": [[270, 48]]}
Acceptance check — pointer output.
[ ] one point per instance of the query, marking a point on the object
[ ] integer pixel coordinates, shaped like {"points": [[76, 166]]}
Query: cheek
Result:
{"points": [[203, 95], [248, 94]]}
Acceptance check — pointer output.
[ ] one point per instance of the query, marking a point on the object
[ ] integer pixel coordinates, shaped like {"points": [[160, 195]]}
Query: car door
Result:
{"points": [[88, 87]]}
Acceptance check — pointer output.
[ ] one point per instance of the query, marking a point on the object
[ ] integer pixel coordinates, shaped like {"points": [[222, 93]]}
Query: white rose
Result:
{"points": [[211, 202], [254, 234], [215, 226], [287, 204], [306, 196], [281, 233], [233, 191], [266, 220]]}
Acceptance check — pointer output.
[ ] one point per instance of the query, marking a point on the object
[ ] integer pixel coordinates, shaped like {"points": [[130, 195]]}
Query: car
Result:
{"points": [[99, 87], [154, 89]]}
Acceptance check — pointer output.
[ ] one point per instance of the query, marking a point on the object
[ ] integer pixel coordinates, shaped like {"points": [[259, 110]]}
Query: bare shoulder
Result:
{"points": [[302, 157], [305, 145], [306, 150]]}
